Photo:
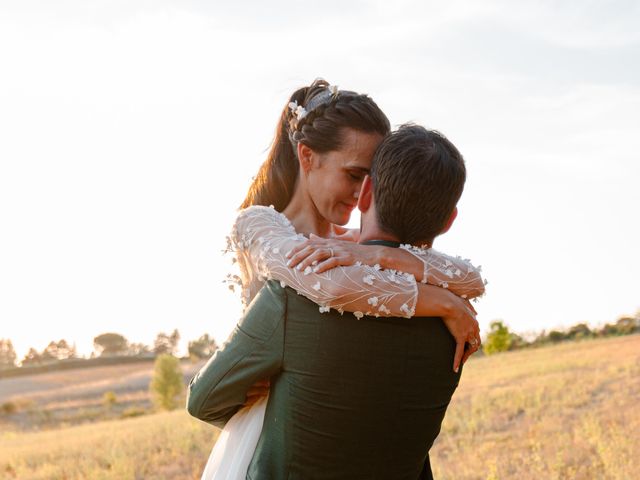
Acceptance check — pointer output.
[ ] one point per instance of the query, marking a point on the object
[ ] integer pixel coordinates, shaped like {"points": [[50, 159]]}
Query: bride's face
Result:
{"points": [[334, 178]]}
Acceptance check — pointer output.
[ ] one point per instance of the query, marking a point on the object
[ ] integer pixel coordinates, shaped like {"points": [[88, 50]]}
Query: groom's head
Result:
{"points": [[416, 180]]}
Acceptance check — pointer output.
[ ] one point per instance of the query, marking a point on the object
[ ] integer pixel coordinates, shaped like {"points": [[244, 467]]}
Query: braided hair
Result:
{"points": [[321, 129]]}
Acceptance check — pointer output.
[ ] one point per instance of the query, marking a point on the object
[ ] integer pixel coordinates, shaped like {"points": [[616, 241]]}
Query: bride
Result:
{"points": [[290, 229]]}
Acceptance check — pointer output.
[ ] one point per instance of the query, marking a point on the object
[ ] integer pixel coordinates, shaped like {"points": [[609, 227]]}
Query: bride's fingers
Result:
{"points": [[257, 391], [300, 256], [468, 353], [333, 262], [296, 249], [458, 355], [316, 257]]}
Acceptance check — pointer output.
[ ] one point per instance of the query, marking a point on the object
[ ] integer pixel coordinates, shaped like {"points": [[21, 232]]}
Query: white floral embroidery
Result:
{"points": [[441, 269], [358, 315], [261, 234], [373, 301]]}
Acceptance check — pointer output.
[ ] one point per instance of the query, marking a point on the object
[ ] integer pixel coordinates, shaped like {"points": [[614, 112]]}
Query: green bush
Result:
{"points": [[499, 338], [166, 384]]}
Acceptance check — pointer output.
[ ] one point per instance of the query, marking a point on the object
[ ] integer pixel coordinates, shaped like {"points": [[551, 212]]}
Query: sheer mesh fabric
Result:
{"points": [[261, 238]]}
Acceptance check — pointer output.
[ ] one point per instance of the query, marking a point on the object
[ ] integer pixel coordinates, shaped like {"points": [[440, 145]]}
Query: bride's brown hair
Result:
{"points": [[320, 130]]}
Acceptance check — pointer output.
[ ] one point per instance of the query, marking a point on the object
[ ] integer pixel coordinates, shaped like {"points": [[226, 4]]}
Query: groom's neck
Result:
{"points": [[370, 230]]}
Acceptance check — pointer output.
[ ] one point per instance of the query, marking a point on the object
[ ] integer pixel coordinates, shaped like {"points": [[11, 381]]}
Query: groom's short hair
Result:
{"points": [[418, 177]]}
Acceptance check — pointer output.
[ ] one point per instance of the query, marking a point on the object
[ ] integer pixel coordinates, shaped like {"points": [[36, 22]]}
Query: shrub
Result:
{"points": [[499, 338], [109, 398], [133, 412], [166, 383], [7, 408]]}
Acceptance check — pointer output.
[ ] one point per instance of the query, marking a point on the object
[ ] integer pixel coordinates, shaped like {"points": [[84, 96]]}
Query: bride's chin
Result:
{"points": [[341, 215], [342, 219]]}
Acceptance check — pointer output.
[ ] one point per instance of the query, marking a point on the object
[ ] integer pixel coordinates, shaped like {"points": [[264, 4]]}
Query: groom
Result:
{"points": [[349, 399]]}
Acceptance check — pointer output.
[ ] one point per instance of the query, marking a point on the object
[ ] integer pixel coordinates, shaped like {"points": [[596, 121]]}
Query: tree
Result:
{"points": [[136, 349], [498, 339], [579, 331], [110, 344], [31, 358], [60, 350], [517, 342], [166, 344], [556, 336], [166, 383], [7, 354], [202, 347], [626, 325]]}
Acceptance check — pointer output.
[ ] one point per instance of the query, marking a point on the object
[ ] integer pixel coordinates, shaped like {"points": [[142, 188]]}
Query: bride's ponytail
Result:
{"points": [[276, 179]]}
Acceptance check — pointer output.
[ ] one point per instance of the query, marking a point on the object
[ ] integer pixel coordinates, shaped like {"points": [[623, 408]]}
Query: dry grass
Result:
{"points": [[161, 446], [70, 397], [563, 412]]}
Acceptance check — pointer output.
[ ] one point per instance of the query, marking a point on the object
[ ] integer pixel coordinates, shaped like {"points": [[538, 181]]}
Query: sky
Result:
{"points": [[130, 130]]}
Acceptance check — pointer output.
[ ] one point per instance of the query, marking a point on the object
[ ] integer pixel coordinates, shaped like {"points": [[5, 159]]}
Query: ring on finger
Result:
{"points": [[330, 252]]}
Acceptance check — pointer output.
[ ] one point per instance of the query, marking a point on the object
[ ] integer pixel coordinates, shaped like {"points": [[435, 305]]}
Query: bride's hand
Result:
{"points": [[323, 254], [257, 391], [460, 320]]}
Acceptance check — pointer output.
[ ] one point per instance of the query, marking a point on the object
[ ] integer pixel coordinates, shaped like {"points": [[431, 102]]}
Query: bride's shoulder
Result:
{"points": [[259, 215]]}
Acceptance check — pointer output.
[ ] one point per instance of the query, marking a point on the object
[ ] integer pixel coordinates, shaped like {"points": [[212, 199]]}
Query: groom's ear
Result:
{"points": [[453, 216], [366, 194]]}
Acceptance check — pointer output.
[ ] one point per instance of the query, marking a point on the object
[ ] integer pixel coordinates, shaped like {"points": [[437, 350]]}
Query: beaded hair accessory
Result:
{"points": [[322, 98]]}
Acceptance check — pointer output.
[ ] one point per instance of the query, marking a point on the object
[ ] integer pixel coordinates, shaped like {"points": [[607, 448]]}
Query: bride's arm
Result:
{"points": [[425, 264], [263, 237]]}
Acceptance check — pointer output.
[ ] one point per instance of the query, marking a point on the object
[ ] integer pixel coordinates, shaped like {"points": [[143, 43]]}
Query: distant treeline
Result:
{"points": [[501, 339], [70, 364], [113, 348], [109, 349]]}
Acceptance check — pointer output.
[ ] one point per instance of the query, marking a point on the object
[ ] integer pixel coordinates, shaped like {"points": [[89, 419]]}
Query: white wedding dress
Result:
{"points": [[260, 239]]}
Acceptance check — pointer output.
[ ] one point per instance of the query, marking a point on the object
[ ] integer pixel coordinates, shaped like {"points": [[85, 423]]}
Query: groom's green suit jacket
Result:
{"points": [[350, 399]]}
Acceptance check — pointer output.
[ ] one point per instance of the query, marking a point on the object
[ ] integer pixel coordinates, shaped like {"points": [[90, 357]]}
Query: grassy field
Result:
{"points": [[562, 412], [71, 397]]}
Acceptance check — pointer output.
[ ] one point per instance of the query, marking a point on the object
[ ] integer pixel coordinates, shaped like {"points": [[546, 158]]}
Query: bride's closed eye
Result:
{"points": [[356, 176]]}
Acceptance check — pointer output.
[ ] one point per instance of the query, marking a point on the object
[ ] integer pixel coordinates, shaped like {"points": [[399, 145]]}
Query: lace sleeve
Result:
{"points": [[261, 237], [453, 273]]}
